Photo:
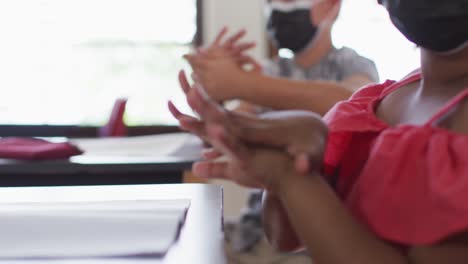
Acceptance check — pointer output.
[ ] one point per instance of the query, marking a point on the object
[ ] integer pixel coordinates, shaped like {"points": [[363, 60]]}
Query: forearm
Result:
{"points": [[329, 232], [246, 107], [280, 93], [277, 227]]}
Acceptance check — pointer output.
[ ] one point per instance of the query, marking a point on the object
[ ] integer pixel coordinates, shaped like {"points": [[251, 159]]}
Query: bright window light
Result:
{"points": [[366, 27], [66, 61]]}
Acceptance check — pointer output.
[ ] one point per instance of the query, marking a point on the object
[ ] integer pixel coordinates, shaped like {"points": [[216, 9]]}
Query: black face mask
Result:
{"points": [[291, 30], [438, 25]]}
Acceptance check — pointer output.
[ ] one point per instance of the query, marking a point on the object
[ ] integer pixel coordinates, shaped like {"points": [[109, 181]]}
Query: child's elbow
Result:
{"points": [[278, 229], [283, 242]]}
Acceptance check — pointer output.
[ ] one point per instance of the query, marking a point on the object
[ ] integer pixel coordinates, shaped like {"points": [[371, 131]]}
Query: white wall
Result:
{"points": [[366, 27], [236, 14]]}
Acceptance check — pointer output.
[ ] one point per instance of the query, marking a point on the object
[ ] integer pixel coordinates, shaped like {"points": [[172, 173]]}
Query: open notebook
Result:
{"points": [[90, 230]]}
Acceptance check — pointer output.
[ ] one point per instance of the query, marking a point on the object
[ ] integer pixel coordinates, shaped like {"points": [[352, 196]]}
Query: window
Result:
{"points": [[365, 26], [66, 61]]}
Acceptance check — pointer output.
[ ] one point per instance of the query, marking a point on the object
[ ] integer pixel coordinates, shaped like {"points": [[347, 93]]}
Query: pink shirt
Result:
{"points": [[408, 184]]}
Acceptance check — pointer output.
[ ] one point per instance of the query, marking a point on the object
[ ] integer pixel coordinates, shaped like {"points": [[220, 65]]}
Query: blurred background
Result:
{"points": [[66, 61]]}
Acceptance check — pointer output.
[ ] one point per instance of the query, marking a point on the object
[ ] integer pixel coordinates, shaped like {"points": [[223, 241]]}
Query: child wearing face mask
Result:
{"points": [[318, 76], [393, 185], [304, 27]]}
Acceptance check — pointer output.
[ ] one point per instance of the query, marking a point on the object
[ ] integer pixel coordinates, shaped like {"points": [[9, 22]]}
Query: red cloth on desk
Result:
{"points": [[35, 149]]}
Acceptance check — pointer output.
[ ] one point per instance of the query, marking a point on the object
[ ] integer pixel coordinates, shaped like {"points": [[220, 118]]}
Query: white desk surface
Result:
{"points": [[201, 238], [166, 152]]}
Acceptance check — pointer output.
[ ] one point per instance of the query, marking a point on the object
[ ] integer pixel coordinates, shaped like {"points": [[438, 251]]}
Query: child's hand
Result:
{"points": [[299, 133], [233, 46], [302, 134], [220, 76], [220, 67], [260, 168]]}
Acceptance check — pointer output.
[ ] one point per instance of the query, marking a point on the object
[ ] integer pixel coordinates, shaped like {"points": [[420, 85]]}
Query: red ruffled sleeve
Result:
{"points": [[414, 187], [408, 184], [346, 118]]}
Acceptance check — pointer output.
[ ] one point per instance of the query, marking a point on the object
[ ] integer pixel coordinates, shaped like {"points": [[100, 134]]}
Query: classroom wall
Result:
{"points": [[236, 15]]}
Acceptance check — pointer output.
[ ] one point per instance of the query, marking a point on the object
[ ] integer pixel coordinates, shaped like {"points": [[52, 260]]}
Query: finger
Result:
{"points": [[204, 106], [301, 164], [203, 53], [220, 36], [196, 62], [275, 130], [243, 47], [183, 118], [263, 134], [314, 149], [247, 127], [255, 130], [228, 144], [245, 59], [231, 41], [194, 126], [195, 77], [211, 154], [199, 76], [184, 84], [174, 110], [215, 119], [187, 122], [210, 169], [199, 50], [211, 111], [277, 133]]}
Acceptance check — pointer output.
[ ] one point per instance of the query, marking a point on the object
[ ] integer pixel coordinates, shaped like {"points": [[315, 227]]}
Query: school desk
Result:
{"points": [[200, 240], [124, 164]]}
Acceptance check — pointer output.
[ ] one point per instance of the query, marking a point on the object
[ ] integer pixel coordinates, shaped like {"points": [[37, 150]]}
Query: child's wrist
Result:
{"points": [[244, 85], [289, 184], [286, 184]]}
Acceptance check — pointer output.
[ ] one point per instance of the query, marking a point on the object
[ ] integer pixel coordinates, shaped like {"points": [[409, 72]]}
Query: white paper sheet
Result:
{"points": [[163, 145], [87, 230]]}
